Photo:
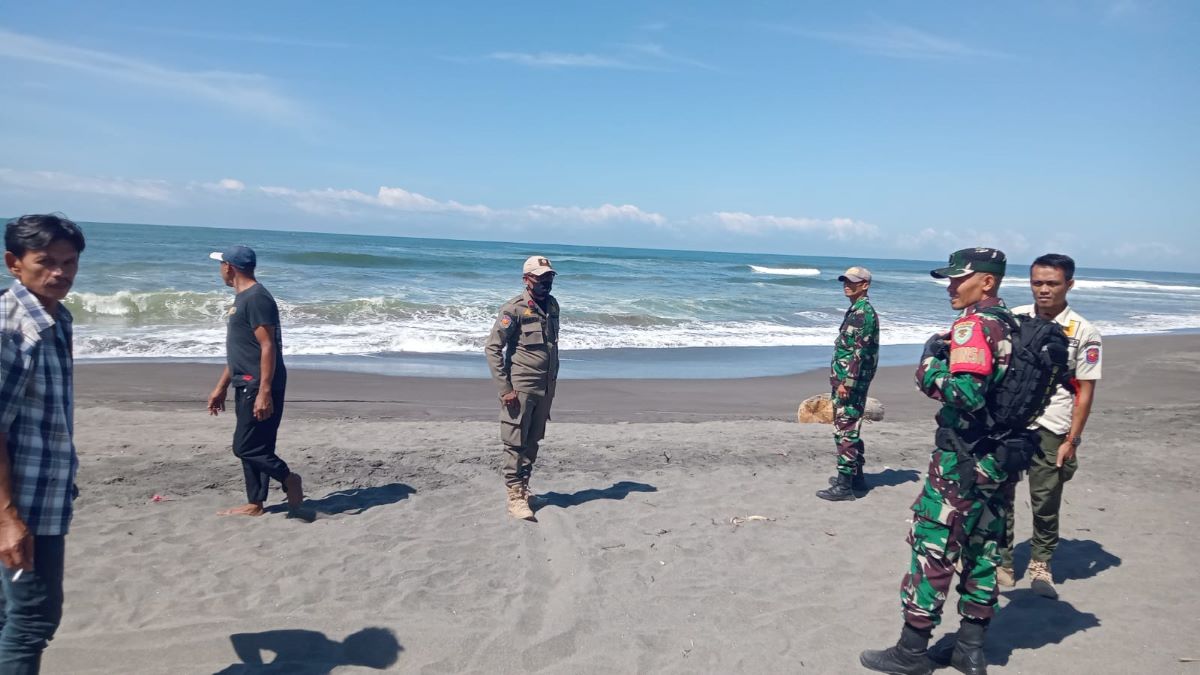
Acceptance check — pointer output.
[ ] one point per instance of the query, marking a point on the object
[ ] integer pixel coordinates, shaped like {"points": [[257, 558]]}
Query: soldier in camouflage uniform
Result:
{"points": [[958, 519], [855, 358], [522, 353]]}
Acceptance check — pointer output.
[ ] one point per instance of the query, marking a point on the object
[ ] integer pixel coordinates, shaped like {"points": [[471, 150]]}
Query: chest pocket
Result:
{"points": [[531, 334]]}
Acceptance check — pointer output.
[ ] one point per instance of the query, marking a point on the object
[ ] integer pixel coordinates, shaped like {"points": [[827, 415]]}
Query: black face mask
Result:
{"points": [[540, 289]]}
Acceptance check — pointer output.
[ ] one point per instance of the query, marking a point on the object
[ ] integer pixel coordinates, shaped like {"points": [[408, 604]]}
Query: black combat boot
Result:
{"points": [[965, 653], [906, 658], [839, 491], [858, 483]]}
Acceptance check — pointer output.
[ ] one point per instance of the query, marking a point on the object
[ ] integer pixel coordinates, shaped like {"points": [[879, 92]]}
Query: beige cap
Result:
{"points": [[855, 275], [537, 265]]}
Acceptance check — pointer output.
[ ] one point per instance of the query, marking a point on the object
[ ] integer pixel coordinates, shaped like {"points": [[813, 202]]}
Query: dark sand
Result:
{"points": [[638, 562]]}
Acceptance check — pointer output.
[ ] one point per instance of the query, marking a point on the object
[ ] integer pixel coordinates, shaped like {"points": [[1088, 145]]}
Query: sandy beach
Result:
{"points": [[679, 532]]}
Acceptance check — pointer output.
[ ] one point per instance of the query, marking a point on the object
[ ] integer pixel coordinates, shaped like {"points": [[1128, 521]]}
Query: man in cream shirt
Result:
{"points": [[1061, 426]]}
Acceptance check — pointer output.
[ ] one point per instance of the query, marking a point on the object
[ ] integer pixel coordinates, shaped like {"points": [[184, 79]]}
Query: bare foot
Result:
{"points": [[243, 510], [294, 487]]}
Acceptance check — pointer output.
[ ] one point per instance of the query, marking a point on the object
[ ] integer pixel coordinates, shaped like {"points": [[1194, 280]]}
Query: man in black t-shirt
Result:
{"points": [[254, 365]]}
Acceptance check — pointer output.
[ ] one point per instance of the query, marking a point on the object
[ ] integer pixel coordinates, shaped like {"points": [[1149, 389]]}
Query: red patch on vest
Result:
{"points": [[969, 348]]}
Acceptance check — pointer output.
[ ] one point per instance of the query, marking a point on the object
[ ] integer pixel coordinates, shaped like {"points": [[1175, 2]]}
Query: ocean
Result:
{"points": [[406, 306]]}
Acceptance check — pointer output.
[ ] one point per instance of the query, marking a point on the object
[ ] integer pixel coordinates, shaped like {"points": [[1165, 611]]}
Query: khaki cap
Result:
{"points": [[537, 265], [855, 275]]}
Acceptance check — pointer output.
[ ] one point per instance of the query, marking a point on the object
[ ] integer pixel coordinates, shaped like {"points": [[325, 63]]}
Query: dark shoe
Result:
{"points": [[965, 652], [839, 491], [857, 484], [908, 657]]}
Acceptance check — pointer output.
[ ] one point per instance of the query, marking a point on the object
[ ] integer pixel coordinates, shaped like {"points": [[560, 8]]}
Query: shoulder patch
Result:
{"points": [[505, 320], [1093, 355], [963, 332], [969, 348]]}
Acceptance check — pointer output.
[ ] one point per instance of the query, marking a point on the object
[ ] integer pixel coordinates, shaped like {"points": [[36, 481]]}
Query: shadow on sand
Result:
{"points": [[1030, 621], [307, 652], [619, 490], [1074, 559], [891, 478], [351, 502]]}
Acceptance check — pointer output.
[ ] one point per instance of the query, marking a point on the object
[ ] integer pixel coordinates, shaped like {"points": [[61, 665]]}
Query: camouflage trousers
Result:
{"points": [[847, 421], [953, 528]]}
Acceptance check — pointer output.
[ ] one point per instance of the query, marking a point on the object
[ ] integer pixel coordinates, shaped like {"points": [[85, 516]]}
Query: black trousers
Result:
{"points": [[254, 443]]}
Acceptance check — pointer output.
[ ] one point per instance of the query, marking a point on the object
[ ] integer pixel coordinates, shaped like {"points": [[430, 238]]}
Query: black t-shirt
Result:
{"points": [[252, 308]]}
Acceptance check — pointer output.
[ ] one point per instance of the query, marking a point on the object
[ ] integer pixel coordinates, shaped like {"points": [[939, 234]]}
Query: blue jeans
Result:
{"points": [[32, 607]]}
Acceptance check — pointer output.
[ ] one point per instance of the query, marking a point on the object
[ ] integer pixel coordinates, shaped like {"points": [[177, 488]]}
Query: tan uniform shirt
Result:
{"points": [[522, 349], [1083, 356]]}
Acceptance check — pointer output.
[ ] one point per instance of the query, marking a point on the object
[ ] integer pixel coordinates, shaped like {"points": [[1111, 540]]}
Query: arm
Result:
{"points": [[1085, 394], [16, 544], [862, 339], [965, 391], [216, 400], [264, 407], [503, 333], [961, 379]]}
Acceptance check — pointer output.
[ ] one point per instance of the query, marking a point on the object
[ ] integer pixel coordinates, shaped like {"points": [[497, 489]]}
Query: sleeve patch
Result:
{"points": [[969, 349], [505, 321], [1093, 355], [963, 332]]}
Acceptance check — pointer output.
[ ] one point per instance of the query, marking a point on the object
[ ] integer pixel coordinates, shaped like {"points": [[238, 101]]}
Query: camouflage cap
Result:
{"points": [[972, 260]]}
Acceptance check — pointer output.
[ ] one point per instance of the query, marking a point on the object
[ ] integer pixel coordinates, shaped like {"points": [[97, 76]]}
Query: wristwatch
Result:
{"points": [[1076, 440]]}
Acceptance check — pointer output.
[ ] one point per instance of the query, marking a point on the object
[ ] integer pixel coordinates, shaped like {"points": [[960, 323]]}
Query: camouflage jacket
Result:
{"points": [[980, 349], [856, 350], [522, 349]]}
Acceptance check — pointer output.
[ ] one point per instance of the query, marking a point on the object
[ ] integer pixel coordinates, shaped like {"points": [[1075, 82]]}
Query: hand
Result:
{"points": [[511, 401], [936, 346], [216, 401], [263, 406], [16, 544], [1066, 452], [842, 392]]}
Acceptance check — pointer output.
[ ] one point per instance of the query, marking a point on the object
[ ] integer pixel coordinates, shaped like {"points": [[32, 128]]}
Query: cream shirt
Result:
{"points": [[1084, 356]]}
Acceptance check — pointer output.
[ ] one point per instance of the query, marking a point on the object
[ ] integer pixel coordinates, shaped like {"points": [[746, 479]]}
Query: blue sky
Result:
{"points": [[886, 130]]}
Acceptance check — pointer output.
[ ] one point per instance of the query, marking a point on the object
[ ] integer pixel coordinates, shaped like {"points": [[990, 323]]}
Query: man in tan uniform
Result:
{"points": [[1060, 427], [522, 353]]}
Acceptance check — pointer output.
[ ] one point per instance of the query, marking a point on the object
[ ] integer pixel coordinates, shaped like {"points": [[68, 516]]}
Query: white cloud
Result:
{"points": [[560, 60], [252, 38], [1147, 249], [333, 201], [642, 56], [834, 228], [895, 40], [935, 243], [225, 185], [329, 201], [55, 181], [247, 94], [599, 214]]}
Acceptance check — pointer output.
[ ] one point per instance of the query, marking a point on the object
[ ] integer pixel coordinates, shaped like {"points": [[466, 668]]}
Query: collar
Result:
{"points": [[33, 307], [986, 303], [528, 301]]}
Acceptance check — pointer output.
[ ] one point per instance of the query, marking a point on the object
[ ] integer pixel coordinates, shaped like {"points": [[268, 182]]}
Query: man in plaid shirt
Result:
{"points": [[37, 473]]}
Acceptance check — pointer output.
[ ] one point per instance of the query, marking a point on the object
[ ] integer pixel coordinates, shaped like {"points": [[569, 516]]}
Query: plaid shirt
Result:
{"points": [[36, 409]]}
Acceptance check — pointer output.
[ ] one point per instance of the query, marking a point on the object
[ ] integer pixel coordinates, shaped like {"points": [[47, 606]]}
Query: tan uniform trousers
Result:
{"points": [[520, 431]]}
